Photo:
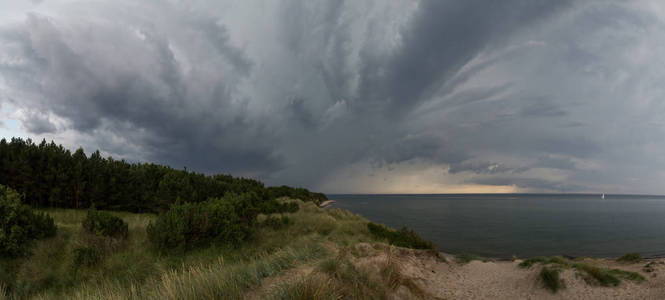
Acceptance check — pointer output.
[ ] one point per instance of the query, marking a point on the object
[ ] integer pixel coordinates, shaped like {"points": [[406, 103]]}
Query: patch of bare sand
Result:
{"points": [[505, 280]]}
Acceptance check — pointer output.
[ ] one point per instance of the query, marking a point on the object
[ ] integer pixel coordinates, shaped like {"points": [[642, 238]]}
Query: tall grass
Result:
{"points": [[3, 292], [312, 287], [229, 282]]}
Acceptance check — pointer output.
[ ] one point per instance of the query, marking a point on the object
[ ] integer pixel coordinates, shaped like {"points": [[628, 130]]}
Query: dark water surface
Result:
{"points": [[523, 225]]}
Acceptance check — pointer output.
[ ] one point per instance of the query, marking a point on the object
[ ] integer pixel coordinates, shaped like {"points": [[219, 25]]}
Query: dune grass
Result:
{"points": [[465, 258], [550, 278], [630, 258], [592, 274], [544, 260], [339, 278], [605, 276], [76, 265]]}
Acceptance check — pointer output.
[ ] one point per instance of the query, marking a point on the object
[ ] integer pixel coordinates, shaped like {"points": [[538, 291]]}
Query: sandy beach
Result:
{"points": [[506, 280]]}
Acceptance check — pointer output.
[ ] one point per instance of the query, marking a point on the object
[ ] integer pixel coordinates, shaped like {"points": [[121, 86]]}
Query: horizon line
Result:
{"points": [[552, 193]]}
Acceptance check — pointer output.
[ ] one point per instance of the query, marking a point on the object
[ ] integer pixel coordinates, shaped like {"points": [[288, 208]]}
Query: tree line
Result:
{"points": [[48, 175]]}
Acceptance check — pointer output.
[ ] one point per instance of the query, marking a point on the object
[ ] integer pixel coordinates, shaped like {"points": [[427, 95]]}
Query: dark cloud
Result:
{"points": [[440, 39], [543, 95], [38, 123], [131, 84]]}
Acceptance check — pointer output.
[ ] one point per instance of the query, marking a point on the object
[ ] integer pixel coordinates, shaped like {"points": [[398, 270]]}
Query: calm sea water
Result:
{"points": [[523, 225]]}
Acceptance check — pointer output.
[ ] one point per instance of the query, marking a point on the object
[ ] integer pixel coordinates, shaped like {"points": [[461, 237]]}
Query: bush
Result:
{"points": [[227, 220], [104, 224], [277, 223], [19, 225], [402, 238]]}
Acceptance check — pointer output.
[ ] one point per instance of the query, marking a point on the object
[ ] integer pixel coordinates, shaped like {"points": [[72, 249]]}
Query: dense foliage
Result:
{"points": [[402, 238], [19, 225], [228, 220], [296, 193], [276, 223], [104, 224], [51, 176]]}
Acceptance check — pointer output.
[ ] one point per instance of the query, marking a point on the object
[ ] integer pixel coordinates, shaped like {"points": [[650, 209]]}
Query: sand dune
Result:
{"points": [[505, 280]]}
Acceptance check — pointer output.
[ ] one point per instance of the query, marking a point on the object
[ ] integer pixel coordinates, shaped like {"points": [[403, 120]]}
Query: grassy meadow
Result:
{"points": [[128, 269]]}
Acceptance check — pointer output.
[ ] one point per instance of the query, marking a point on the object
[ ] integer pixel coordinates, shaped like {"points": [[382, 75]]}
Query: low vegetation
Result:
{"points": [[630, 258], [465, 258], [104, 224], [339, 278], [276, 223], [550, 278], [225, 221], [76, 264], [19, 225], [591, 274], [403, 238], [544, 260], [605, 276]]}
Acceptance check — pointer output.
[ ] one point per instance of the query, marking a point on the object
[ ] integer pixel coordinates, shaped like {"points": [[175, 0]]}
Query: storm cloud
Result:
{"points": [[351, 96]]}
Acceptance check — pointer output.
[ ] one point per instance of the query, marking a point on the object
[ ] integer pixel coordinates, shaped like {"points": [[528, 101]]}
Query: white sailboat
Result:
{"points": [[602, 196]]}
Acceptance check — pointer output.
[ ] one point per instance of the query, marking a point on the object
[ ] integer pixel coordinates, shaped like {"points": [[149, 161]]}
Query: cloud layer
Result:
{"points": [[355, 96]]}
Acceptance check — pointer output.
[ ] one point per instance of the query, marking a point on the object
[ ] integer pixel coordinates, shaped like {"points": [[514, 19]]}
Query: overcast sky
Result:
{"points": [[350, 96]]}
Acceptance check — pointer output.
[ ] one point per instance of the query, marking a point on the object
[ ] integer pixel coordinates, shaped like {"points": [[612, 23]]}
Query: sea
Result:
{"points": [[523, 225]]}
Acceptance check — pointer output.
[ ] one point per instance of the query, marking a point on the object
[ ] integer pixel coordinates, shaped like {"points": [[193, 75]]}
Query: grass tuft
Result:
{"points": [[312, 287], [465, 258], [605, 276], [591, 274], [3, 292], [544, 260], [550, 278]]}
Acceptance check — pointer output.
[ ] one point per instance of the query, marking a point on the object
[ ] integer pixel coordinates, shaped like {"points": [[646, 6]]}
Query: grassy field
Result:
{"points": [[128, 269]]}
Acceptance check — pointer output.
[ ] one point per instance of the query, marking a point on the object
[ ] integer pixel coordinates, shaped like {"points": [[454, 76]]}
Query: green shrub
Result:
{"points": [[630, 258], [227, 220], [19, 225], [104, 224], [402, 238], [277, 223]]}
